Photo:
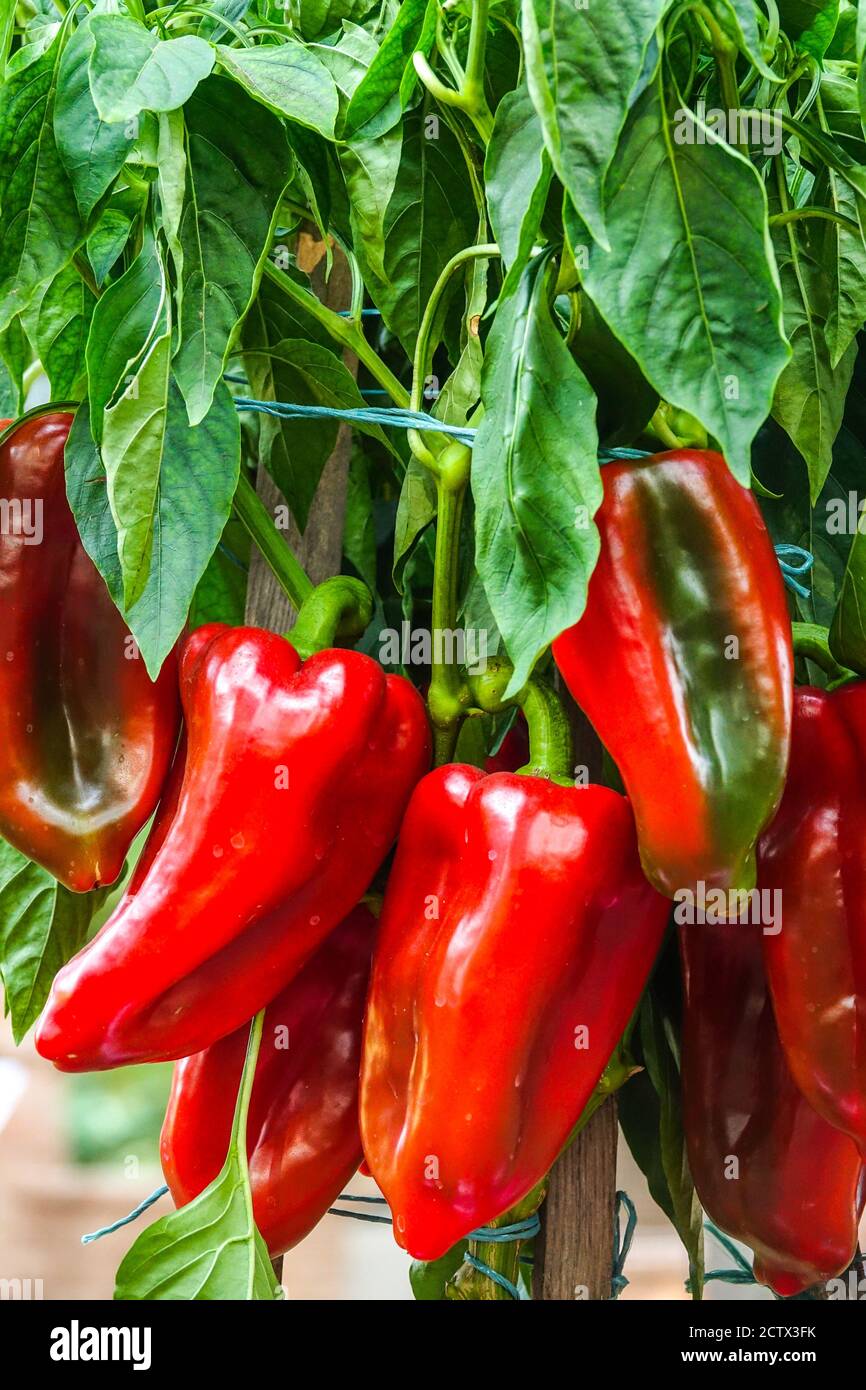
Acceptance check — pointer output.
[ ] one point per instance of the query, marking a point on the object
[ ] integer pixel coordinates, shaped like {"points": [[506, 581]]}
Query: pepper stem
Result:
{"points": [[551, 751], [340, 607], [813, 641]]}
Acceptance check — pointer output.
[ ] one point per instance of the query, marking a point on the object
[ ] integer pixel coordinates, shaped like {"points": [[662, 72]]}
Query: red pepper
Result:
{"points": [[516, 937], [86, 737], [295, 782], [302, 1129], [814, 854], [767, 1168], [682, 661]]}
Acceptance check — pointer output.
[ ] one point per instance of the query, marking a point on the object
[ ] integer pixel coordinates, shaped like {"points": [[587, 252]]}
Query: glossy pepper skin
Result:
{"points": [[86, 737], [796, 1190], [698, 726], [295, 781], [303, 1141], [516, 936], [814, 854]]}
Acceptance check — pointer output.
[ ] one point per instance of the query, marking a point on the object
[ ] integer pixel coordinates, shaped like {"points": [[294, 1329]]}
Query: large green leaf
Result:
{"points": [[844, 259], [390, 81], [126, 320], [42, 925], [693, 295], [238, 163], [92, 151], [57, 322], [430, 216], [131, 70], [535, 477], [40, 226], [197, 478], [582, 66], [517, 172], [288, 79], [810, 394]]}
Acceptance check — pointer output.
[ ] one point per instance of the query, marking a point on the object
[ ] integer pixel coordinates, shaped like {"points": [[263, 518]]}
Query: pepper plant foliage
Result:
{"points": [[572, 224]]}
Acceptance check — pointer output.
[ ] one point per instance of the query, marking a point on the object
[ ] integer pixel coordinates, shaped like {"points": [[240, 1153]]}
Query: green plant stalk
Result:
{"points": [[257, 520], [780, 219], [423, 352], [469, 95], [343, 331], [448, 695], [501, 1256]]}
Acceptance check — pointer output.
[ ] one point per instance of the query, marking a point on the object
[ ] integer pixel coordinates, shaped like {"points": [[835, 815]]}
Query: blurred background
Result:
{"points": [[77, 1152]]}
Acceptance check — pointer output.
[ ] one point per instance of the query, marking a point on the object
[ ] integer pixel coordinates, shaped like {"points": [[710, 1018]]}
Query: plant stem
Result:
{"points": [[258, 521], [779, 219], [339, 607], [448, 695], [812, 641], [343, 330], [501, 1256], [423, 350], [469, 96]]}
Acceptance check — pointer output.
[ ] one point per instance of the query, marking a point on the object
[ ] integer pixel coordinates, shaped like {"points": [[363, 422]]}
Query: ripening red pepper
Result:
{"points": [[767, 1168], [303, 1141], [296, 776], [682, 661], [516, 936], [814, 854], [86, 737]]}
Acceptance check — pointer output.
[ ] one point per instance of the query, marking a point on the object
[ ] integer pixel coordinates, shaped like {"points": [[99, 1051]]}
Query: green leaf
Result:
{"points": [[848, 632], [92, 151], [692, 295], [171, 184], [211, 1248], [811, 23], [297, 451], [370, 169], [810, 394], [626, 401], [197, 479], [582, 66], [517, 172], [238, 163], [42, 925], [431, 215], [535, 476], [415, 510], [289, 80], [390, 80], [844, 259], [107, 241], [40, 226], [348, 60], [359, 532], [58, 321], [220, 595], [126, 321], [131, 70], [17, 355]]}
